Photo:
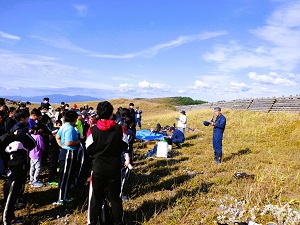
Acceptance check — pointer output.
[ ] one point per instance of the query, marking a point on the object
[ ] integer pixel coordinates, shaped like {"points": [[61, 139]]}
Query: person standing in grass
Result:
{"points": [[105, 143], [34, 116], [18, 153], [132, 112], [68, 139], [35, 156], [10, 120], [53, 157], [138, 117], [181, 121], [219, 127]]}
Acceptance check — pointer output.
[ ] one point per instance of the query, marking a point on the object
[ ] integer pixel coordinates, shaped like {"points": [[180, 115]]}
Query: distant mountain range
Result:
{"points": [[55, 98]]}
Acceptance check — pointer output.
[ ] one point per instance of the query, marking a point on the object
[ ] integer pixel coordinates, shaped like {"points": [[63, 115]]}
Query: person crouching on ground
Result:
{"points": [[105, 143], [177, 136]]}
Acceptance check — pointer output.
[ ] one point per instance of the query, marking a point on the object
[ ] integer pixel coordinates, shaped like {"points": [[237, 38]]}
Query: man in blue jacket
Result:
{"points": [[177, 136], [219, 127]]}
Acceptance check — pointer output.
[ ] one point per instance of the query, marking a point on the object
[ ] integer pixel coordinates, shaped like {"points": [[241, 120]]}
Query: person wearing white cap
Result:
{"points": [[181, 124], [17, 164], [16, 180]]}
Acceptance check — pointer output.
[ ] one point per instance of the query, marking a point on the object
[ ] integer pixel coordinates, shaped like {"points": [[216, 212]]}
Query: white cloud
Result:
{"points": [[287, 16], [125, 87], [143, 87], [9, 36], [201, 85], [182, 91], [236, 57], [81, 9], [164, 46], [271, 78], [35, 70], [239, 87], [146, 84], [62, 43], [276, 44]]}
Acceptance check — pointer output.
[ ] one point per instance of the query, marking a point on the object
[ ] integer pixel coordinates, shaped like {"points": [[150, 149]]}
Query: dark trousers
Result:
{"points": [[138, 122], [53, 164], [98, 184], [217, 144], [12, 189], [67, 172]]}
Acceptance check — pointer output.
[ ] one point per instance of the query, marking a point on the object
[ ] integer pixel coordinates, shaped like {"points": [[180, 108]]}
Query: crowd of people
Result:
{"points": [[83, 143]]}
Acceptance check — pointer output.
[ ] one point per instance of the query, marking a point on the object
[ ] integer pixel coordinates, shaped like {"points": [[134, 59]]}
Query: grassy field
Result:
{"points": [[188, 187]]}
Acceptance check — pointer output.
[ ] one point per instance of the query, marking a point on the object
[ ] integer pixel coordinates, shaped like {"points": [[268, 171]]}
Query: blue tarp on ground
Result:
{"points": [[147, 135]]}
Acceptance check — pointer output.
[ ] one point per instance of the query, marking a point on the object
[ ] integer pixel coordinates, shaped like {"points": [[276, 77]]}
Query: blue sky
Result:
{"points": [[203, 49]]}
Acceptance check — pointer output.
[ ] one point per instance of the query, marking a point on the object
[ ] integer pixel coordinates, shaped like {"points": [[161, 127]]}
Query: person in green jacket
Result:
{"points": [[79, 124]]}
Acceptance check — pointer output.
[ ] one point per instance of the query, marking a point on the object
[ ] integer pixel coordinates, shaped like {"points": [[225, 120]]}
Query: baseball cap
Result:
{"points": [[171, 128], [14, 146]]}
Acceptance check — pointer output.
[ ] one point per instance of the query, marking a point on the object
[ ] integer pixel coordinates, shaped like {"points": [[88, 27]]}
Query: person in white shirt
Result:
{"points": [[181, 124]]}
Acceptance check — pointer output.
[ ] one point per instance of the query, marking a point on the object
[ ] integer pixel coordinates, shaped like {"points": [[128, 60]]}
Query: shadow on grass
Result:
{"points": [[187, 145], [194, 136], [149, 185], [138, 163], [44, 199], [239, 153], [151, 208], [140, 184]]}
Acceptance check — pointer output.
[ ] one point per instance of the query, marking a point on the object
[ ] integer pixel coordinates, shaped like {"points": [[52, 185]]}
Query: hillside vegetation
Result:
{"points": [[188, 187]]}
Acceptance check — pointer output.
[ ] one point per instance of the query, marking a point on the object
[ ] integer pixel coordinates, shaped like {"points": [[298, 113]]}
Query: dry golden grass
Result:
{"points": [[265, 145], [188, 188]]}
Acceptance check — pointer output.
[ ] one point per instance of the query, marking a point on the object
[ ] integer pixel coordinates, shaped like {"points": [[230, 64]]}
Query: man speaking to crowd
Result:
{"points": [[219, 127]]}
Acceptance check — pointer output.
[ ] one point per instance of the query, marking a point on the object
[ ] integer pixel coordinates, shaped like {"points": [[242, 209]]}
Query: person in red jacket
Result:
{"points": [[105, 143]]}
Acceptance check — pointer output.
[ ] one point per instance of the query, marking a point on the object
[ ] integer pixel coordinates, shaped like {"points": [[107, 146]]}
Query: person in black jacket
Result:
{"points": [[10, 119], [7, 121], [20, 129], [14, 185], [105, 143], [18, 151], [54, 150]]}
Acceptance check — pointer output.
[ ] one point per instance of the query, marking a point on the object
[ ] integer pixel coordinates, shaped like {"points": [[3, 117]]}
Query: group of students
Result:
{"points": [[79, 141]]}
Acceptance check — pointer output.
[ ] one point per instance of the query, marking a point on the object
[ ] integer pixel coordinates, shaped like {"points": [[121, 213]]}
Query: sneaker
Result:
{"points": [[19, 205], [8, 173], [178, 145], [125, 198], [68, 200], [53, 183], [59, 202], [17, 222], [37, 184]]}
